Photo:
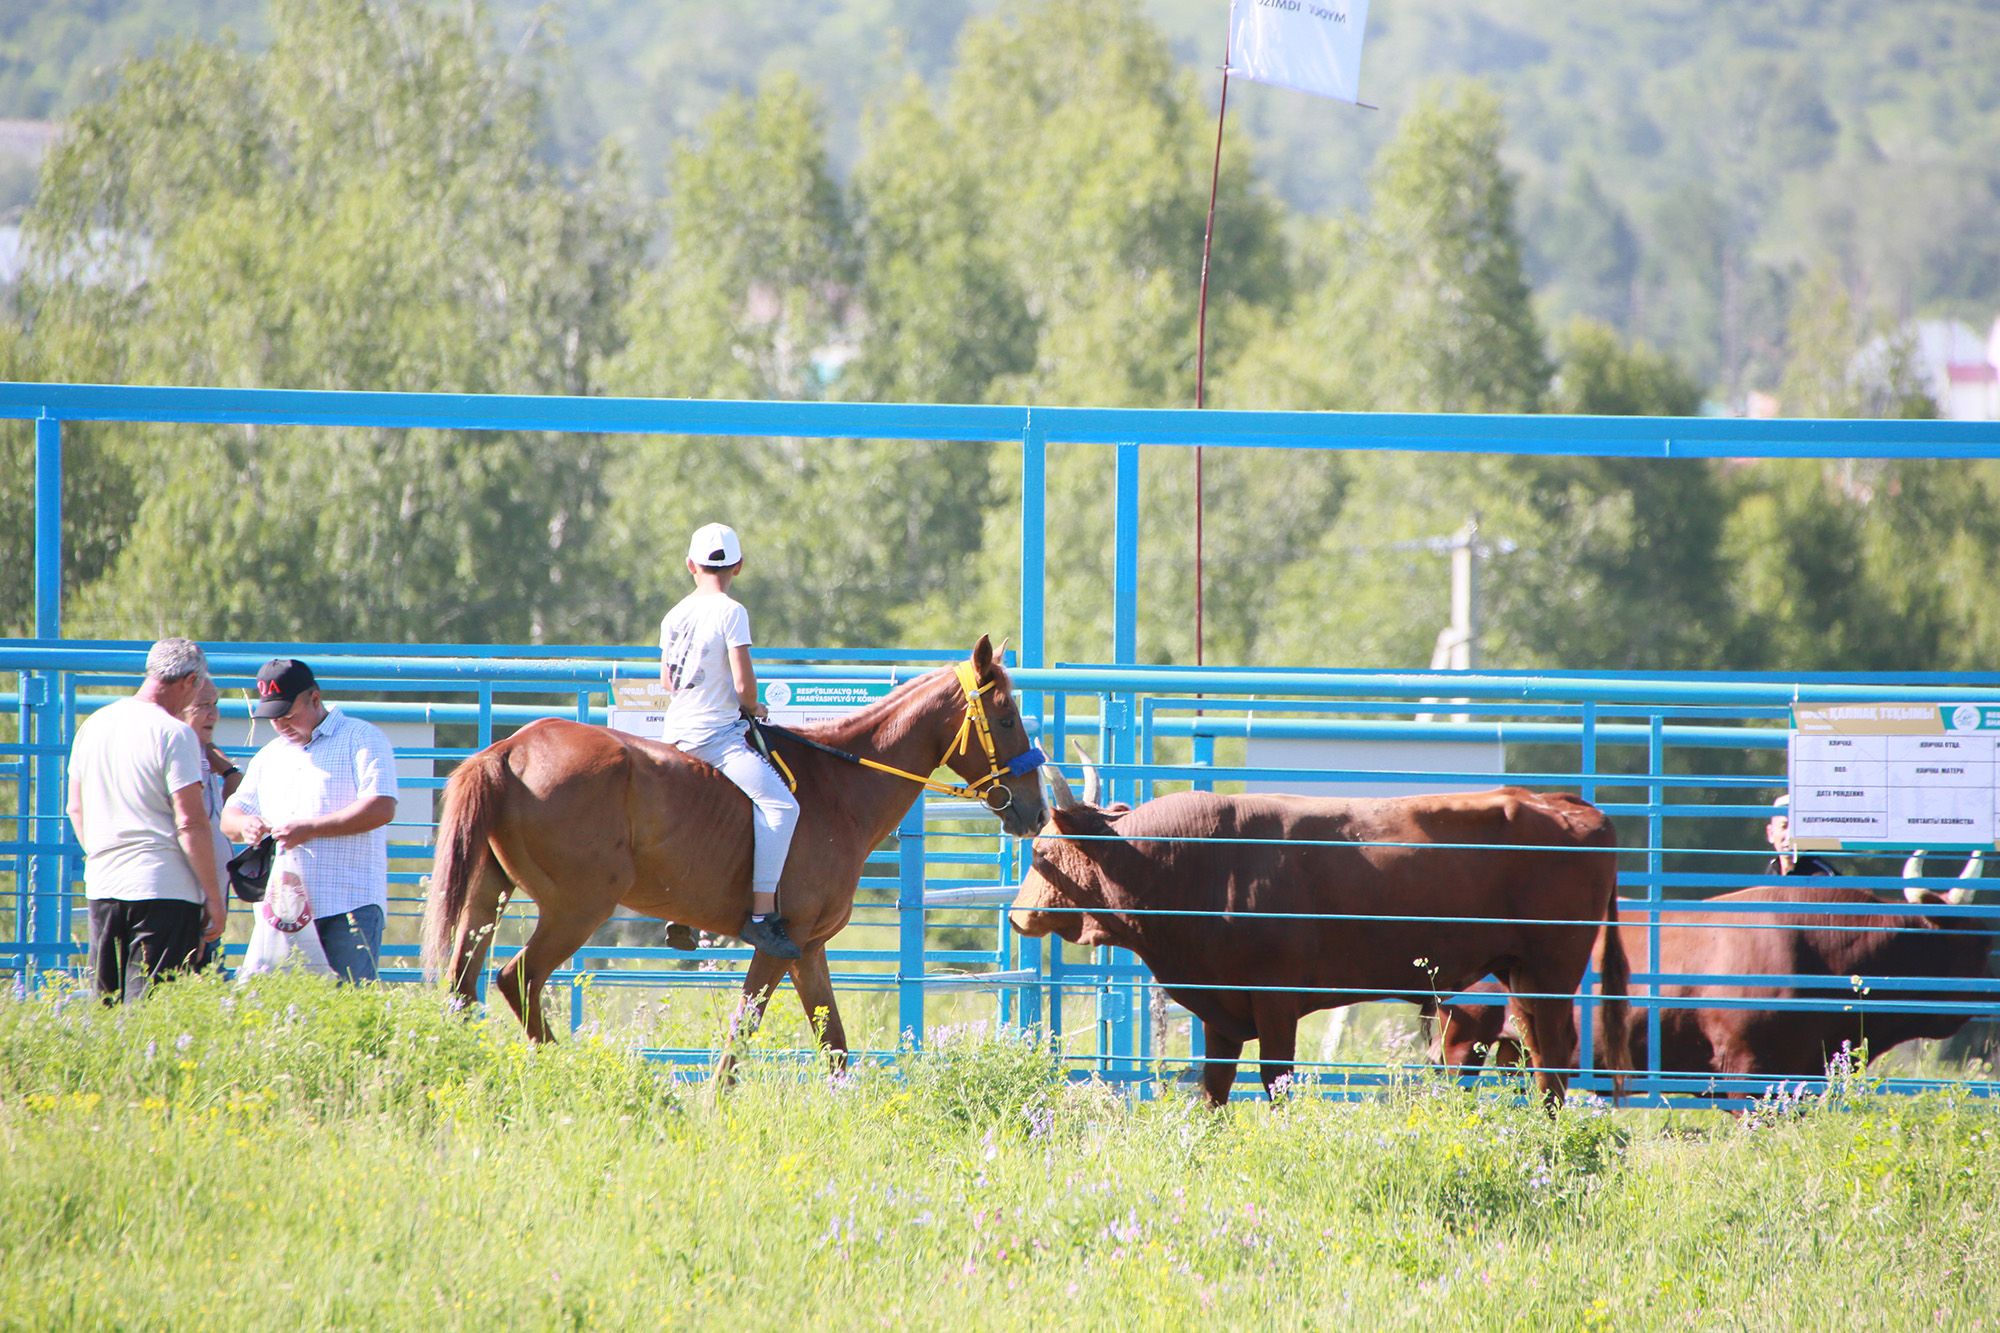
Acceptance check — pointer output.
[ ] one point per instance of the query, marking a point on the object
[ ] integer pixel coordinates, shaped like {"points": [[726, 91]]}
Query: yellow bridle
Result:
{"points": [[974, 723]]}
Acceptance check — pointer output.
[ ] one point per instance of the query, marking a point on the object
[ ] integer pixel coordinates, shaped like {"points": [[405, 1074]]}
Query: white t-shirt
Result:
{"points": [[695, 639], [129, 759]]}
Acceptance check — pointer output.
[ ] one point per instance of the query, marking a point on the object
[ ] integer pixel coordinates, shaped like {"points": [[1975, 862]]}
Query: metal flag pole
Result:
{"points": [[1201, 344]]}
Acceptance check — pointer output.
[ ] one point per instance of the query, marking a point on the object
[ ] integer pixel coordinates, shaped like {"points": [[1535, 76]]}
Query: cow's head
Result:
{"points": [[1067, 887]]}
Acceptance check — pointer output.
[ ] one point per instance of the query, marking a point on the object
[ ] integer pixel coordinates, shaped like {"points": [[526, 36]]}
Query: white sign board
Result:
{"points": [[415, 806], [1901, 775], [1412, 758], [638, 707]]}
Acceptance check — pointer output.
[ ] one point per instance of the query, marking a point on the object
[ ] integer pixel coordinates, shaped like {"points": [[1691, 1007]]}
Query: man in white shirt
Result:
{"points": [[135, 801], [326, 790]]}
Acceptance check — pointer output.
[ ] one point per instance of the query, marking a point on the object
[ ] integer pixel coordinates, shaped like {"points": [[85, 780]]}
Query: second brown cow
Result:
{"points": [[1830, 946]]}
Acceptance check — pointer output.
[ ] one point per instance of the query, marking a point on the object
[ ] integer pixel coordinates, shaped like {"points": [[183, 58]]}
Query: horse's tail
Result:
{"points": [[1614, 976], [471, 808]]}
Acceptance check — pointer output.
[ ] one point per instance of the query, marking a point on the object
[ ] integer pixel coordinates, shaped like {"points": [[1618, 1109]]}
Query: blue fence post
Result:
{"points": [[46, 833], [910, 926], [1586, 768], [1034, 545], [1656, 831], [1121, 1000], [1032, 650], [48, 528], [1125, 564]]}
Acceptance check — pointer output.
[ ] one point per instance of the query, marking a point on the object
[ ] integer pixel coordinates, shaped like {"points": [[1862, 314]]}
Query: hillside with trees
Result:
{"points": [[1683, 164], [383, 196]]}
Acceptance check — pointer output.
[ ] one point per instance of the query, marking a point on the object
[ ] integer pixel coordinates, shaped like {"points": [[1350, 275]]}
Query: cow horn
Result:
{"points": [[1059, 789], [1092, 787]]}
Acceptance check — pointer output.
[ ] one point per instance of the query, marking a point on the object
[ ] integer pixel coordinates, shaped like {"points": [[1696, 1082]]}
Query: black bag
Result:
{"points": [[250, 869]]}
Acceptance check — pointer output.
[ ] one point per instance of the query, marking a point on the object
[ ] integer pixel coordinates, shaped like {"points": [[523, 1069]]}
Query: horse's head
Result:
{"points": [[996, 755]]}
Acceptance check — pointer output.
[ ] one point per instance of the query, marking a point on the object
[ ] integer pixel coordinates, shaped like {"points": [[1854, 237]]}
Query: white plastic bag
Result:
{"points": [[284, 931]]}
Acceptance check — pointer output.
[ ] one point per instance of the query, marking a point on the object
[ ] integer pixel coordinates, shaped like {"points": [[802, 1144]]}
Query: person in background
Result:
{"points": [[219, 780], [150, 870], [1778, 832], [325, 788]]}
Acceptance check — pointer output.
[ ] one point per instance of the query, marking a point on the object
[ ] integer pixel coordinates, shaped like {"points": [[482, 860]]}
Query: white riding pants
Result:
{"points": [[776, 815]]}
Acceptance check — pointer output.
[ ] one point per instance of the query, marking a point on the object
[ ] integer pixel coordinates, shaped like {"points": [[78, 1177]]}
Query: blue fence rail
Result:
{"points": [[1685, 763]]}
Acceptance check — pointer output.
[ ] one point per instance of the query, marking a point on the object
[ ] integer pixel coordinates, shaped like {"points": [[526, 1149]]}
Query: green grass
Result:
{"points": [[284, 1154]]}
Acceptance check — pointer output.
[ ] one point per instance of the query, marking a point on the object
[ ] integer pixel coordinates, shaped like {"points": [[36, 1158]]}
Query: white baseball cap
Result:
{"points": [[715, 545]]}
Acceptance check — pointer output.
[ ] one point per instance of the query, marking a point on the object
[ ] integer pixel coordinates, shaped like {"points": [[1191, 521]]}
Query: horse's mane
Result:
{"points": [[881, 716]]}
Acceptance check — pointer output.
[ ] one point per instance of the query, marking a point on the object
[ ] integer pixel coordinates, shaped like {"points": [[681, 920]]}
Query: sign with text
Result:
{"points": [[640, 706], [1900, 775], [799, 702]]}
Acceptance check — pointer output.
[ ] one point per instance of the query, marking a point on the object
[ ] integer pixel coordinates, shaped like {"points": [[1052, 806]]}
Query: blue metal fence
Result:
{"points": [[1634, 744]]}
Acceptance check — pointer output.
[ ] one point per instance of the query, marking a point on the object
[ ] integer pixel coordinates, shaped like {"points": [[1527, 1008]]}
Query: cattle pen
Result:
{"points": [[1686, 764]]}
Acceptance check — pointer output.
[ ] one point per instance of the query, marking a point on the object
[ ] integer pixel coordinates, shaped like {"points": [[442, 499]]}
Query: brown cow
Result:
{"points": [[1253, 871], [1775, 1043]]}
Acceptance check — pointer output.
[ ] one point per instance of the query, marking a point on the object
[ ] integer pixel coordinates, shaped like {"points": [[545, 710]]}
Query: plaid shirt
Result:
{"points": [[346, 760]]}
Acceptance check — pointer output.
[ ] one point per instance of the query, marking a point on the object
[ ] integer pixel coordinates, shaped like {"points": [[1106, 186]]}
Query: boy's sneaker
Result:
{"points": [[681, 936], [768, 936]]}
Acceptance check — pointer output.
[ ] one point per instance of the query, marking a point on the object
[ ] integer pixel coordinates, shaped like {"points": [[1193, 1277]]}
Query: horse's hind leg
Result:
{"points": [[555, 939], [474, 939]]}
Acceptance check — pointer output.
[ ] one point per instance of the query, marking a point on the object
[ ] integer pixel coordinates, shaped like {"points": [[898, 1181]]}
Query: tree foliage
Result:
{"points": [[364, 204]]}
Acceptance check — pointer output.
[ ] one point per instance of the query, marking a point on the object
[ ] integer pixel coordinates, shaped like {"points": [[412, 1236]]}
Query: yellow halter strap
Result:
{"points": [[974, 723]]}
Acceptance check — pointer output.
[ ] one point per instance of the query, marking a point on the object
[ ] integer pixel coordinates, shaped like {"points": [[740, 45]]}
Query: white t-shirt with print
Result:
{"points": [[695, 639], [129, 759]]}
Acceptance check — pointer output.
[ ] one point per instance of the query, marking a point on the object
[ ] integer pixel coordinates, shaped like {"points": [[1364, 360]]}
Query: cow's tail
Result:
{"points": [[471, 808], [1613, 1032]]}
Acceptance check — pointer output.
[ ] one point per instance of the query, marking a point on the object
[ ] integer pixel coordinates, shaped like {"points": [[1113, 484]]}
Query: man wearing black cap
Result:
{"points": [[326, 790]]}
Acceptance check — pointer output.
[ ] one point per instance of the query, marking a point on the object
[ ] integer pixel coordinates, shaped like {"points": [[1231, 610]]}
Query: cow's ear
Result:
{"points": [[1060, 820], [982, 656]]}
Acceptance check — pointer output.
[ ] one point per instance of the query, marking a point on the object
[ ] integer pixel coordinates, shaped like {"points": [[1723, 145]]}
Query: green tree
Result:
{"points": [[1091, 152], [944, 315], [1584, 255], [1598, 375], [1443, 320], [754, 299], [366, 204], [759, 260], [1841, 364]]}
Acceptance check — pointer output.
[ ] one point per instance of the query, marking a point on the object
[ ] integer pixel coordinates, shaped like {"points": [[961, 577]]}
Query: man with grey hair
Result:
{"points": [[135, 800]]}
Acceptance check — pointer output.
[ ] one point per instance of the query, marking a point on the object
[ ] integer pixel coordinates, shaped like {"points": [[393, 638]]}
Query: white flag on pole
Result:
{"points": [[1311, 45]]}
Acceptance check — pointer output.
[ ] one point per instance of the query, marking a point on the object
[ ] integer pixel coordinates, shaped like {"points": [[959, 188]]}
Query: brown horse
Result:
{"points": [[586, 820]]}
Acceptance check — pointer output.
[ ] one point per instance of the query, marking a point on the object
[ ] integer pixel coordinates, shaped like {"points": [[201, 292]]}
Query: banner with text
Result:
{"points": [[640, 706], [1895, 775], [1311, 45]]}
